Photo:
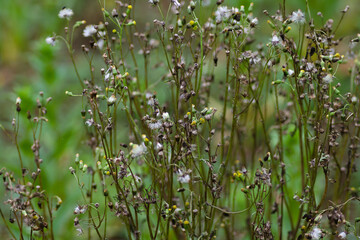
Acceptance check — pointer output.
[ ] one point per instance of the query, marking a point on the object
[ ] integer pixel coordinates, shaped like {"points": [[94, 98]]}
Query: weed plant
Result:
{"points": [[255, 139]]}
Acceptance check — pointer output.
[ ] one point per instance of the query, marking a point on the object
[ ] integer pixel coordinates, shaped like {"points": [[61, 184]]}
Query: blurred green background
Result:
{"points": [[28, 65]]}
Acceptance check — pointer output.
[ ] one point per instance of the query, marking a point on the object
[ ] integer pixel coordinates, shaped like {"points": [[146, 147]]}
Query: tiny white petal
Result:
{"points": [[222, 13], [291, 72], [89, 31], [176, 3], [165, 116], [100, 43], [316, 233], [50, 41], [66, 13], [342, 235], [155, 124], [298, 17], [111, 100], [138, 150], [328, 78], [275, 40]]}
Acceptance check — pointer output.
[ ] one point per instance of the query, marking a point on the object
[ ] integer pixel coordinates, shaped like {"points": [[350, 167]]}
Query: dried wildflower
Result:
{"points": [[342, 235], [176, 3], [222, 14], [316, 233], [50, 41], [89, 122], [111, 100], [89, 31], [80, 209], [275, 40], [328, 78], [154, 2], [254, 22], [165, 116], [18, 100], [291, 72], [154, 124], [138, 150], [100, 43], [66, 13], [354, 99], [183, 177], [298, 17]]}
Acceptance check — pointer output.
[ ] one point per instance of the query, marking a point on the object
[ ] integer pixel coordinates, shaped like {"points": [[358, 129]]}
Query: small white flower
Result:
{"points": [[100, 43], [102, 33], [18, 100], [111, 100], [275, 40], [89, 30], [316, 233], [80, 209], [222, 14], [151, 102], [209, 25], [176, 3], [291, 72], [342, 235], [89, 122], [138, 150], [66, 13], [234, 10], [50, 41], [309, 66], [298, 17], [159, 146], [354, 99], [155, 124], [183, 178], [328, 78], [254, 21], [165, 116]]}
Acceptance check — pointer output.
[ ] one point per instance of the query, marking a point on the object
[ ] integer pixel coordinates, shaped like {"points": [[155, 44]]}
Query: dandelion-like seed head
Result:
{"points": [[89, 31], [298, 17], [50, 41], [66, 13]]}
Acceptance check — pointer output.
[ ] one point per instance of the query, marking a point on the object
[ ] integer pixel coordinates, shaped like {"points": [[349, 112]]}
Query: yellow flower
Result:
{"points": [[186, 222]]}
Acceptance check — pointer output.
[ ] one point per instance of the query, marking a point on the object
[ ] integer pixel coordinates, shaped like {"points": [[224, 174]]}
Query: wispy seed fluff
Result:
{"points": [[66, 13]]}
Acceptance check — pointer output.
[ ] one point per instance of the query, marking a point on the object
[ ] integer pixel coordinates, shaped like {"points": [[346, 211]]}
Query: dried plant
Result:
{"points": [[220, 155]]}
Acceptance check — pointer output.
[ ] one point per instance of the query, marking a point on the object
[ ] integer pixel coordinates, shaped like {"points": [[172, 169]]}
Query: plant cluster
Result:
{"points": [[254, 140]]}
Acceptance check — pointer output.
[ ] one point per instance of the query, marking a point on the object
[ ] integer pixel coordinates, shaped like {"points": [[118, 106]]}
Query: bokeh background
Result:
{"points": [[28, 65]]}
